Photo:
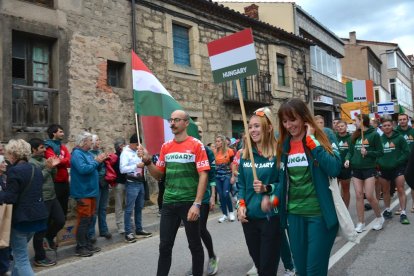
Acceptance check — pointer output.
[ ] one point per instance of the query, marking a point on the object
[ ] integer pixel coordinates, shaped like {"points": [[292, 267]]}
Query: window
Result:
{"points": [[243, 86], [393, 89], [181, 45], [31, 78], [115, 72], [46, 3], [281, 67], [325, 63]]}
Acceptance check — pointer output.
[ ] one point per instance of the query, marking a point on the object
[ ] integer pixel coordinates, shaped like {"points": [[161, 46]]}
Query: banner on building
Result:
{"points": [[233, 57], [154, 104], [350, 110], [360, 91]]}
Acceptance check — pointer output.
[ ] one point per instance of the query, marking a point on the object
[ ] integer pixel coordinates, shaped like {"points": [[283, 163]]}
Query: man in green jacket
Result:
{"points": [[56, 217]]}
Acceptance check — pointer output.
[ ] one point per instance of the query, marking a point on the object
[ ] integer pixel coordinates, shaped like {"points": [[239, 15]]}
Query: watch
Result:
{"points": [[197, 204]]}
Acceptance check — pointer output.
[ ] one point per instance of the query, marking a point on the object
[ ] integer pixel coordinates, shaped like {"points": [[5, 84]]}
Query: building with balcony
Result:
{"points": [[324, 82], [386, 65], [69, 62]]}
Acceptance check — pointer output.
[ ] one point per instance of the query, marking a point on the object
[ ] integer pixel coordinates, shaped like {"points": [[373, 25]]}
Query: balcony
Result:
{"points": [[256, 91], [32, 108]]}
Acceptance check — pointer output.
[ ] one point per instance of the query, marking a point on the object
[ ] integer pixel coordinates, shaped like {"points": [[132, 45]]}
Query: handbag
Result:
{"points": [[346, 225], [5, 224]]}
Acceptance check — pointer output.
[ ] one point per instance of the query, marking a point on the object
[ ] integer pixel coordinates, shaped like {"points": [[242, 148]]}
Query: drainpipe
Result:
{"points": [[134, 33]]}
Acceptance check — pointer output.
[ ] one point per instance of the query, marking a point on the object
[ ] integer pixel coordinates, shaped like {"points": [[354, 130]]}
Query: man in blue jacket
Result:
{"points": [[84, 188]]}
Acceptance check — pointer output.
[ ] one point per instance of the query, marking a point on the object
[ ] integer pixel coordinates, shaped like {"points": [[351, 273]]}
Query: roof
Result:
{"points": [[217, 9]]}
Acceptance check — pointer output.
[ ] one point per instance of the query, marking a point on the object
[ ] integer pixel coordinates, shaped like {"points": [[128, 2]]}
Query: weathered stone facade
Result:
{"points": [[89, 33]]}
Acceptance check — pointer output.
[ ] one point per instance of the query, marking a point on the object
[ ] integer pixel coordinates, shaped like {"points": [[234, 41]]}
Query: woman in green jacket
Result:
{"points": [[364, 150], [306, 160], [261, 228]]}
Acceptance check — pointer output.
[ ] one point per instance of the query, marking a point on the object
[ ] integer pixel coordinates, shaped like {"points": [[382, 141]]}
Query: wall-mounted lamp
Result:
{"points": [[299, 71]]}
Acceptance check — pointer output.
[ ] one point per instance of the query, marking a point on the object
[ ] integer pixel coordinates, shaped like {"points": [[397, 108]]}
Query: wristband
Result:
{"points": [[311, 142], [241, 203], [274, 200], [197, 204], [268, 189]]}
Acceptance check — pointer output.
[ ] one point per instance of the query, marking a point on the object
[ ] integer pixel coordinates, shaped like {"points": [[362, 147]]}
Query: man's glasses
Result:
{"points": [[175, 120]]}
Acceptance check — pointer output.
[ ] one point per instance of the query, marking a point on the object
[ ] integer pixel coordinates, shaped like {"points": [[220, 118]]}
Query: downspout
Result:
{"points": [[134, 33]]}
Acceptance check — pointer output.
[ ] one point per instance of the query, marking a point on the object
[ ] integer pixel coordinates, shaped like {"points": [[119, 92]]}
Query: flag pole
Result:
{"points": [[137, 127], [246, 129]]}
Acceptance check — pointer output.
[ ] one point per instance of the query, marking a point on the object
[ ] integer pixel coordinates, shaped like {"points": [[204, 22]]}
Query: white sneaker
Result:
{"points": [[252, 271], [222, 219], [231, 216], [360, 227], [378, 222], [289, 272]]}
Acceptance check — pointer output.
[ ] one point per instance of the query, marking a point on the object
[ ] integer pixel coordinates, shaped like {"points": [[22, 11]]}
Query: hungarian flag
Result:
{"points": [[154, 104]]}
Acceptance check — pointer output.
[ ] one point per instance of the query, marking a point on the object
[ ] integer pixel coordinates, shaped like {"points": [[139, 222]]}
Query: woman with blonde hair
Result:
{"points": [[257, 204], [306, 160], [224, 157], [24, 191]]}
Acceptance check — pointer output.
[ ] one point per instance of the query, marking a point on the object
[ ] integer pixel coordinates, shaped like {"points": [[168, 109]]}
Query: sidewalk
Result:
{"points": [[150, 221]]}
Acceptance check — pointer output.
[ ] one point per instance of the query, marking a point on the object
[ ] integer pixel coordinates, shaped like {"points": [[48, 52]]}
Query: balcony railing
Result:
{"points": [[32, 107], [256, 91]]}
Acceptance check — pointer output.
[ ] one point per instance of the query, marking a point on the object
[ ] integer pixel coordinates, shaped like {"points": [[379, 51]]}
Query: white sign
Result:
{"points": [[386, 108], [354, 113], [323, 99]]}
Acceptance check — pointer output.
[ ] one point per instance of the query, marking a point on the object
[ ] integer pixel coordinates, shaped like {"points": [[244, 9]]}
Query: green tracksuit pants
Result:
{"points": [[311, 243]]}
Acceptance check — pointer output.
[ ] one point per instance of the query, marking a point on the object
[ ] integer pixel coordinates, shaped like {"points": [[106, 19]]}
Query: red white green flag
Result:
{"points": [[233, 57], [154, 104]]}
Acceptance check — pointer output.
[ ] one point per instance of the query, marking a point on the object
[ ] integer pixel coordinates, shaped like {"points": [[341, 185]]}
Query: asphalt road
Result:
{"points": [[386, 252]]}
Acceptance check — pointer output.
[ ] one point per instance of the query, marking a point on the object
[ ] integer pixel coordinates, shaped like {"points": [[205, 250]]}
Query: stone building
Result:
{"points": [[324, 80], [68, 62], [386, 65]]}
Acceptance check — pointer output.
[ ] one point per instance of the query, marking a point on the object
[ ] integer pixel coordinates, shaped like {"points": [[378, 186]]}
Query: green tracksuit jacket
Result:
{"points": [[408, 135], [373, 145], [267, 173], [396, 151], [343, 143]]}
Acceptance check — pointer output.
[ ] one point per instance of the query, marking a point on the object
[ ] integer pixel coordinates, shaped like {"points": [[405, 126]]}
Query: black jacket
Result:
{"points": [[29, 206]]}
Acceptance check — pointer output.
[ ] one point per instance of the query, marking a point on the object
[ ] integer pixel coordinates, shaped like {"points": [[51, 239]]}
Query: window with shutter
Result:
{"points": [[181, 45]]}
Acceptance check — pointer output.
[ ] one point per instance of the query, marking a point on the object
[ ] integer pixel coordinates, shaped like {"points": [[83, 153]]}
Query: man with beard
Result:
{"points": [[184, 162]]}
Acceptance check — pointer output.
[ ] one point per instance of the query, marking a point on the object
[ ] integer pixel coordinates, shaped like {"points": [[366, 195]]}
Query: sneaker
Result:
{"points": [[360, 227], [107, 236], [252, 271], [212, 266], [289, 272], [404, 219], [367, 206], [387, 214], [45, 262], [222, 219], [83, 252], [142, 234], [231, 216], [93, 248], [130, 238], [378, 222]]}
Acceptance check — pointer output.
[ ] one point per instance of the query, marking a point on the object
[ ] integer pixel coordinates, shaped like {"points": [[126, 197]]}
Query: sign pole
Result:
{"points": [[246, 128]]}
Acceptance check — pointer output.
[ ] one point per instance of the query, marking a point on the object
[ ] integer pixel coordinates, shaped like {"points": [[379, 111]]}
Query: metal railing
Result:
{"points": [[256, 88]]}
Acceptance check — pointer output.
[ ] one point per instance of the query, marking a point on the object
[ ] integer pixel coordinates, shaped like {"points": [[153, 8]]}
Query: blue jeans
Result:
{"points": [[100, 212], [4, 260], [171, 216], [21, 263], [223, 189], [134, 200]]}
